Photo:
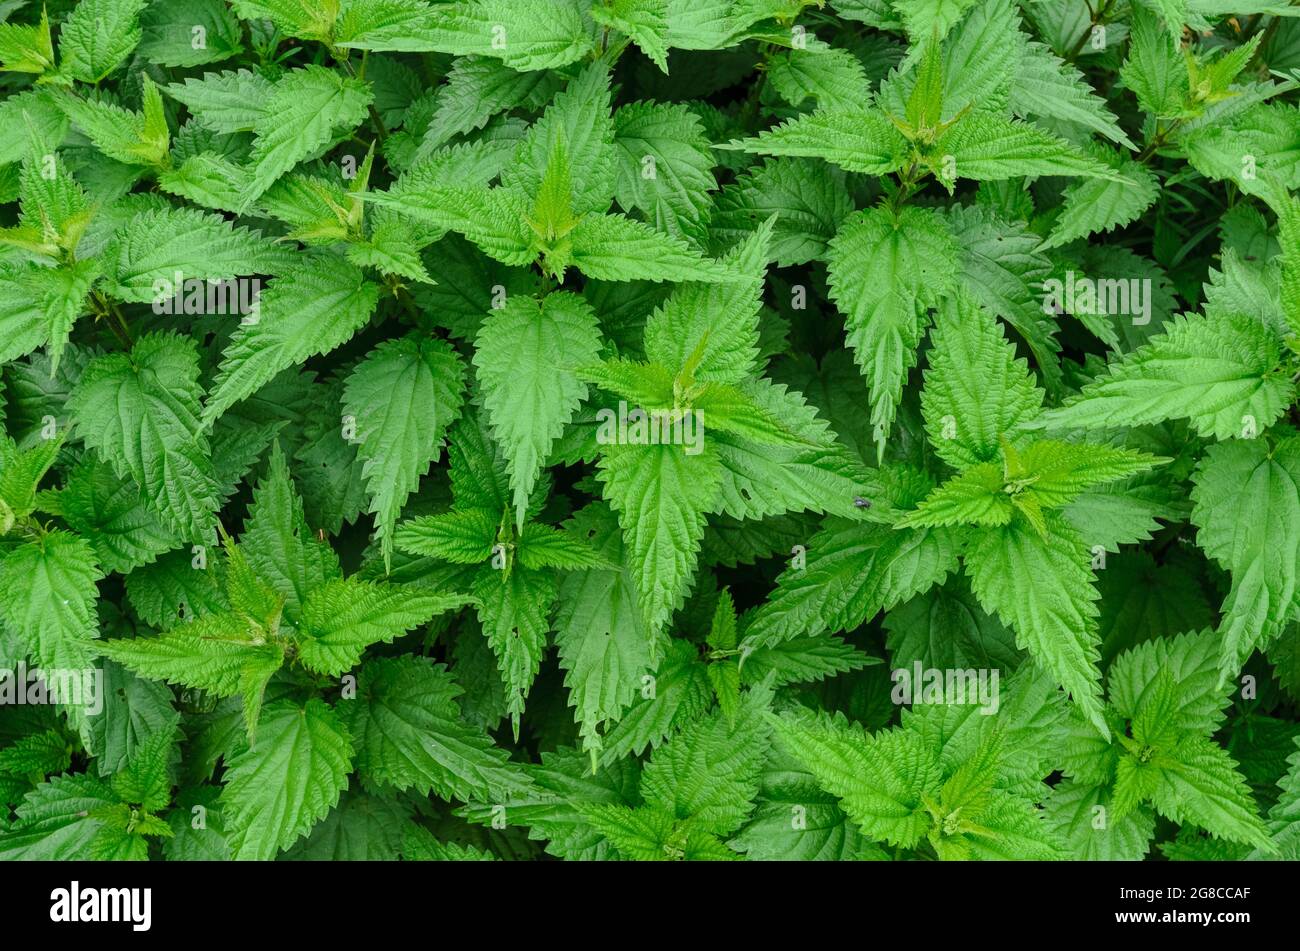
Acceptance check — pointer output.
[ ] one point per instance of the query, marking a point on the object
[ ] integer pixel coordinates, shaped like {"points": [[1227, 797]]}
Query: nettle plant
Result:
{"points": [[649, 429]]}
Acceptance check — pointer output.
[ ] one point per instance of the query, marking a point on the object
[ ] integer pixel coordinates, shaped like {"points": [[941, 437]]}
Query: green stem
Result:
{"points": [[907, 186], [375, 119], [1158, 140], [406, 301], [749, 111], [120, 320], [1268, 35], [28, 527], [109, 311], [1096, 19]]}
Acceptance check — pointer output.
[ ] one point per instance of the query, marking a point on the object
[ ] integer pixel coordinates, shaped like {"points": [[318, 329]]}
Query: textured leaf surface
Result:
{"points": [[279, 788], [401, 399]]}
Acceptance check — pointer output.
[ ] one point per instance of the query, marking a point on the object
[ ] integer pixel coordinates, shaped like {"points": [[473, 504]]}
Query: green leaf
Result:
{"points": [[809, 202], [1098, 204], [1041, 586], [1072, 811], [60, 294], [732, 410], [304, 110], [524, 38], [24, 322], [602, 640], [880, 780], [1061, 471], [923, 18], [48, 597], [645, 21], [21, 473], [710, 331], [39, 753], [885, 271], [974, 496], [661, 495], [54, 821], [650, 834], [708, 773], [28, 49], [120, 730], [279, 545], [401, 399], [345, 616], [110, 512], [797, 465], [173, 589], [463, 538], [514, 608], [1048, 87], [540, 546], [616, 248], [853, 572], [527, 354], [1154, 70], [1001, 267], [946, 627], [1247, 498], [227, 654], [642, 384], [578, 122], [680, 694], [160, 251], [98, 36], [146, 778], [1219, 150], [1222, 374], [230, 101], [833, 78], [305, 19], [493, 218], [1191, 662], [656, 332], [861, 141], [988, 148], [1282, 817], [140, 411], [976, 389], [825, 832], [361, 829], [131, 137], [1202, 786], [664, 167], [716, 24], [312, 307], [169, 36], [478, 88], [419, 845], [279, 788]]}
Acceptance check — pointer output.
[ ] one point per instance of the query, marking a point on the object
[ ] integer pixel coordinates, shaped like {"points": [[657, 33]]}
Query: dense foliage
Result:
{"points": [[649, 429]]}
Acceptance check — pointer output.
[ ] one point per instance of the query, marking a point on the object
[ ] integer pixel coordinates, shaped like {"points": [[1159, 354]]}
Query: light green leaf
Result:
{"points": [[1042, 587], [885, 271], [278, 789], [401, 399], [527, 354], [140, 412], [311, 308]]}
